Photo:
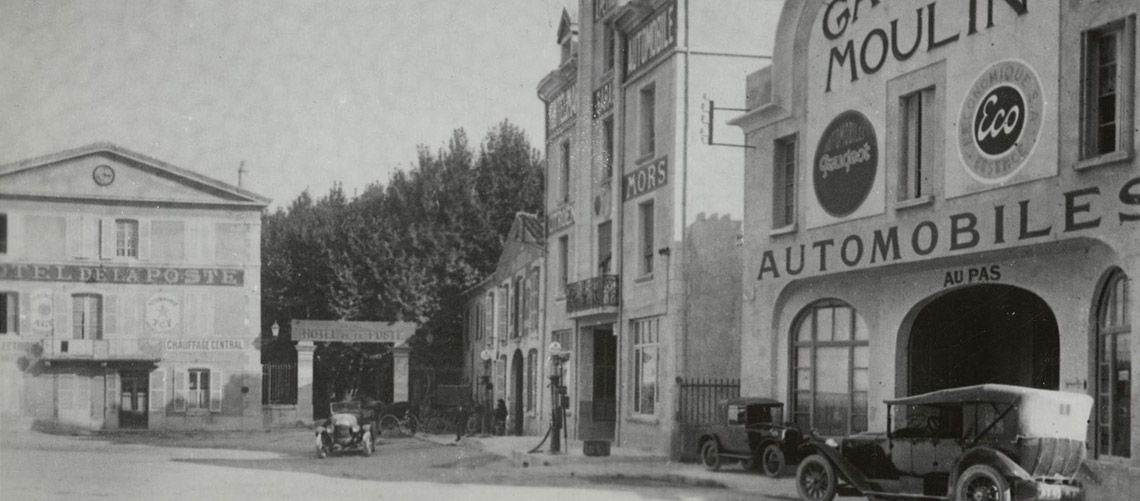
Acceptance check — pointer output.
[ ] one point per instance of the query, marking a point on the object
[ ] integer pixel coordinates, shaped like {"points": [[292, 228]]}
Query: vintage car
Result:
{"points": [[750, 430], [348, 428], [987, 442]]}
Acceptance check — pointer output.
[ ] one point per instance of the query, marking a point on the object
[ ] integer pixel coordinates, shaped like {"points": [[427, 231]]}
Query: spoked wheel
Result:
{"points": [[982, 483], [322, 449], [369, 446], [815, 479], [389, 426], [772, 460], [710, 455], [409, 425]]}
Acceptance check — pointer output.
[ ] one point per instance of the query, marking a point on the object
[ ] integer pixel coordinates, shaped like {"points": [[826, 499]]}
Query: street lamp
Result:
{"points": [[558, 398], [275, 329]]}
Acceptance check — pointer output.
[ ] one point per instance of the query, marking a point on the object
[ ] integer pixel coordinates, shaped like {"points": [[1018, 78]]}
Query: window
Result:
{"points": [[86, 313], [608, 47], [1114, 369], [532, 320], [531, 379], [168, 240], [830, 357], [198, 392], [489, 316], [648, 117], [645, 211], [9, 313], [645, 365], [3, 233], [126, 238], [47, 235], [608, 147], [503, 313], [518, 307], [563, 263], [1108, 55], [605, 253], [914, 140], [784, 183], [232, 243], [565, 165]]}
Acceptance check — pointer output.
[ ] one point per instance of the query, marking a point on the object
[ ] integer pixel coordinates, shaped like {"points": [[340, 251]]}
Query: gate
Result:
{"points": [[279, 384], [697, 408]]}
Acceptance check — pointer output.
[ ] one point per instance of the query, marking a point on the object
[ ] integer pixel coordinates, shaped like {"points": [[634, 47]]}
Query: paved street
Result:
{"points": [[144, 466]]}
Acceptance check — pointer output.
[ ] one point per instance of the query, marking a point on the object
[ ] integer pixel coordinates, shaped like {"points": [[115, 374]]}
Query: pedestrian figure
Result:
{"points": [[501, 417], [461, 420]]}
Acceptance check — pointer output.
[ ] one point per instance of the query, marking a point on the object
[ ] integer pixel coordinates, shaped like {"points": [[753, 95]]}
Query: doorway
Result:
{"points": [[605, 375], [983, 334], [517, 394], [133, 391]]}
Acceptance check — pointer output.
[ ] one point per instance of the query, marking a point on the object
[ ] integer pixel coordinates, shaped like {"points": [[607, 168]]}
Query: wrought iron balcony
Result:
{"points": [[594, 295]]}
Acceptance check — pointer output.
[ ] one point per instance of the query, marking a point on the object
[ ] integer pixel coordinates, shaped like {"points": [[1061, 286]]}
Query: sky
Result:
{"points": [[306, 93]]}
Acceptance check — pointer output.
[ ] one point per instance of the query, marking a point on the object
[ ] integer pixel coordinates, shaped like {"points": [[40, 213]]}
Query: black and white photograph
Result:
{"points": [[569, 249]]}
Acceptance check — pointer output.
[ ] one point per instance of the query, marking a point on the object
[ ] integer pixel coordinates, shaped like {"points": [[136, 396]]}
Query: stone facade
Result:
{"points": [[132, 294]]}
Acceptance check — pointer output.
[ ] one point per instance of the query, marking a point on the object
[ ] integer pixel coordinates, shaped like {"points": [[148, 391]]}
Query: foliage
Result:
{"points": [[401, 252]]}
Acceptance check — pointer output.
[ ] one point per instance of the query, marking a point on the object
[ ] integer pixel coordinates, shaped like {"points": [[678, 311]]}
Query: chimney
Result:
{"points": [[241, 173]]}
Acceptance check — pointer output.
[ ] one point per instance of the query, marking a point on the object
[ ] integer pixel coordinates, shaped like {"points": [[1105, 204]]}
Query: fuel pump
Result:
{"points": [[560, 401]]}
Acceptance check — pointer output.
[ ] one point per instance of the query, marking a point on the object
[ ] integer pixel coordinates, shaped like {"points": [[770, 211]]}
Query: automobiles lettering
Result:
{"points": [[985, 442]]}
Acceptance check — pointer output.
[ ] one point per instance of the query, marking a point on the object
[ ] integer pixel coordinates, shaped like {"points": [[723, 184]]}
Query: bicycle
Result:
{"points": [[391, 426]]}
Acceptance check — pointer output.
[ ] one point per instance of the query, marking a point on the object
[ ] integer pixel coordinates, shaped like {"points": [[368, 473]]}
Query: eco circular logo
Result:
{"points": [[846, 161], [1000, 121]]}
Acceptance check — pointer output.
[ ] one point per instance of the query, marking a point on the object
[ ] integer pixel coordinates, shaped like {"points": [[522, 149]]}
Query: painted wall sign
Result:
{"points": [[41, 309], [652, 39], [604, 99], [352, 332], [1000, 121], [206, 344], [846, 162], [562, 217], [561, 109], [109, 274], [646, 178], [17, 346], [977, 274], [1066, 215], [899, 38], [163, 312]]}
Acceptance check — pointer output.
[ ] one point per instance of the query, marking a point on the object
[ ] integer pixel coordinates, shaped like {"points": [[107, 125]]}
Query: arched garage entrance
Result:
{"points": [[983, 334]]}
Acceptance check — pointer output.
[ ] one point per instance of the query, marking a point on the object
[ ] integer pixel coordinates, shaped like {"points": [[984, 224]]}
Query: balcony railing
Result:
{"points": [[597, 293]]}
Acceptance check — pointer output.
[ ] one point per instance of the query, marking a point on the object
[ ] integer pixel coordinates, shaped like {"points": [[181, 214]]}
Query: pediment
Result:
{"points": [[105, 172]]}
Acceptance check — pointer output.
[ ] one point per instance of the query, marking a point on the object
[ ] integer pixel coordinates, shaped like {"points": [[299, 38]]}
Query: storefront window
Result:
{"points": [[645, 365], [830, 357], [1114, 370]]}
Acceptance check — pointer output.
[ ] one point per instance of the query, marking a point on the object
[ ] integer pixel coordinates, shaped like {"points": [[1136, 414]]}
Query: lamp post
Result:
{"points": [[557, 395], [275, 330]]}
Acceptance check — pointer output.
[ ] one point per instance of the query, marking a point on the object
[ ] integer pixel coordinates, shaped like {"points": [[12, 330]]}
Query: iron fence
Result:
{"points": [[698, 408], [279, 384]]}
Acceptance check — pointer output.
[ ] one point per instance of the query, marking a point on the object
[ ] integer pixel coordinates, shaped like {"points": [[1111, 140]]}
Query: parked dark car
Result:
{"points": [[987, 442], [750, 430], [348, 428]]}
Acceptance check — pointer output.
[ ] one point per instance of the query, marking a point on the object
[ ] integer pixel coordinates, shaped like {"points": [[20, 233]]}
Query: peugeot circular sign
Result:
{"points": [[846, 161], [1000, 120]]}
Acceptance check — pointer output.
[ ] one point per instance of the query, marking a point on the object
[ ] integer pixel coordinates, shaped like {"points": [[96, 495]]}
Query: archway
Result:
{"points": [[983, 334], [517, 393]]}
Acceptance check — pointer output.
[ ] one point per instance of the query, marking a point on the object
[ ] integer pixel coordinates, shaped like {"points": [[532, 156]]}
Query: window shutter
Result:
{"points": [[179, 390], [190, 317], [144, 240], [158, 390], [107, 238], [83, 395], [216, 386], [74, 236], [65, 392], [131, 322], [15, 235], [89, 238], [61, 324], [111, 314]]}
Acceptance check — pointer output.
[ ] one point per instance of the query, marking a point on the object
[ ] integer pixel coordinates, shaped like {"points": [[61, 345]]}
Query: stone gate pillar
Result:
{"points": [[305, 351], [400, 372]]}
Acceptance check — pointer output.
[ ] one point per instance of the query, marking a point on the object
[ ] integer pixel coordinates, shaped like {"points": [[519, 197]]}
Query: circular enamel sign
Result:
{"points": [[846, 161], [1000, 121]]}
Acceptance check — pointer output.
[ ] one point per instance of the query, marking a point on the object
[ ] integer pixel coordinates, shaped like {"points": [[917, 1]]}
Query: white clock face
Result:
{"points": [[103, 175]]}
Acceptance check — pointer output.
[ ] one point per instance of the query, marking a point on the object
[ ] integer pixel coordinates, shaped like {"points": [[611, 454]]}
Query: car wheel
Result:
{"points": [[981, 483], [368, 445], [710, 455], [815, 479], [322, 451], [772, 460], [389, 426]]}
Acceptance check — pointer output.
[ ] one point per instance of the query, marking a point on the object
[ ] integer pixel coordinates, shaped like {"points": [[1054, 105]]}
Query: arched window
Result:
{"points": [[1113, 369], [830, 356]]}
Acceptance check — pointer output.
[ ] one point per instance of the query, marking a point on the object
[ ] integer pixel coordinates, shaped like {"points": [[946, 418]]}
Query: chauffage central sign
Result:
{"points": [[352, 332]]}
